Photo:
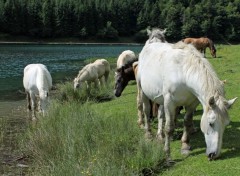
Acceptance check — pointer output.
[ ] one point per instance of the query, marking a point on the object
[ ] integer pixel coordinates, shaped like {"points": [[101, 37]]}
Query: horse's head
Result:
{"points": [[156, 35], [212, 47], [214, 120], [213, 52], [43, 95], [76, 83], [121, 81]]}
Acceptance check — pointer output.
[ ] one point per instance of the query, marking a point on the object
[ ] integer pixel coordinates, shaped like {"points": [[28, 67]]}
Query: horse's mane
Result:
{"points": [[211, 44], [83, 70], [196, 64], [127, 65], [156, 35]]}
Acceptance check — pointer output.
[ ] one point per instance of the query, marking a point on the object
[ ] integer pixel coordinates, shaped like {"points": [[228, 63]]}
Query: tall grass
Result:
{"points": [[81, 136], [76, 139]]}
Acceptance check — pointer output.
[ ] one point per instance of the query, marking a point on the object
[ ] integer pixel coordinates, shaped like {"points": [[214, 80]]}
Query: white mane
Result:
{"points": [[196, 64], [125, 57]]}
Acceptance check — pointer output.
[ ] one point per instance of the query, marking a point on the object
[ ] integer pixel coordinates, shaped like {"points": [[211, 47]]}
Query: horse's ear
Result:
{"points": [[230, 102], [149, 32], [211, 102], [164, 31]]}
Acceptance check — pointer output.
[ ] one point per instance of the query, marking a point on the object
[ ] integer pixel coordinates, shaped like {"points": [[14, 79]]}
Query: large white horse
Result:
{"points": [[37, 81], [177, 75], [93, 72]]}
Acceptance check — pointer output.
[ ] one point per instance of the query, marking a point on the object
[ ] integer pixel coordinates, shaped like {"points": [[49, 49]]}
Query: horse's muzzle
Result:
{"points": [[117, 93]]}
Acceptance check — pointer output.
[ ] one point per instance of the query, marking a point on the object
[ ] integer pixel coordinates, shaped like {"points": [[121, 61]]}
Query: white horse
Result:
{"points": [[93, 72], [155, 35], [177, 75], [37, 81], [125, 57]]}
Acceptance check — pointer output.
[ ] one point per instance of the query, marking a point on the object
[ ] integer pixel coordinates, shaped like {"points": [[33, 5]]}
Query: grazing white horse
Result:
{"points": [[177, 75], [93, 72], [37, 81], [125, 57]]}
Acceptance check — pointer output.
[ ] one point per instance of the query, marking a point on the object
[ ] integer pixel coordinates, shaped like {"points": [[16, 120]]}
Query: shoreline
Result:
{"points": [[72, 43]]}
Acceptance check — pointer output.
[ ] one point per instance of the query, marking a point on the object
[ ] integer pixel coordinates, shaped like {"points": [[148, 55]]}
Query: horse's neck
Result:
{"points": [[210, 44], [42, 81], [202, 80], [82, 77], [130, 73]]}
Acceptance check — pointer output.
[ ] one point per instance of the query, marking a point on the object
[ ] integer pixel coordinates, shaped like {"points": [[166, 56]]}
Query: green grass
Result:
{"points": [[89, 134]]}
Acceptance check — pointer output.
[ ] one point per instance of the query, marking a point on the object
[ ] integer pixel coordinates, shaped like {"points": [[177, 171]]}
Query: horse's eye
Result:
{"points": [[211, 125]]}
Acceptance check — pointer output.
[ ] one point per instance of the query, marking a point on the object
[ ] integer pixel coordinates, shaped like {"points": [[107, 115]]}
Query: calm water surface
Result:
{"points": [[63, 61]]}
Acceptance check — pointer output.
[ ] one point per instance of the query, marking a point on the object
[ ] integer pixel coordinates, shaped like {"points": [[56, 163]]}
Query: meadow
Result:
{"points": [[97, 134]]}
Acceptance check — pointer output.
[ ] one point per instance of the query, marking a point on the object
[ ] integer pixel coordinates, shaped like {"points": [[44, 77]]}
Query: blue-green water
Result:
{"points": [[63, 61]]}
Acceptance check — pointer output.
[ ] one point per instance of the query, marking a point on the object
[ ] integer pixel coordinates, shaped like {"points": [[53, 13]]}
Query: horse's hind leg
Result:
{"points": [[28, 101], [146, 111], [106, 75], [101, 82], [160, 115], [170, 110]]}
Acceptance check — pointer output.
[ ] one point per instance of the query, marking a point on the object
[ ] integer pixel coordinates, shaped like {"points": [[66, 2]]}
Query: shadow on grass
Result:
{"points": [[159, 168], [231, 142]]}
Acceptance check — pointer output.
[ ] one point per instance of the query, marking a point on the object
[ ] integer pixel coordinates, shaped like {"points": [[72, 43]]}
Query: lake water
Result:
{"points": [[62, 61]]}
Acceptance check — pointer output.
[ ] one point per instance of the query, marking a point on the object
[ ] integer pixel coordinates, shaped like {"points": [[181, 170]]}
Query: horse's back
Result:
{"points": [[102, 67], [36, 75], [125, 57]]}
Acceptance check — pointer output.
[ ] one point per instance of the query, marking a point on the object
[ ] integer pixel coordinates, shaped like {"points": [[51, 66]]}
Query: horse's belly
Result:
{"points": [[152, 91], [183, 97]]}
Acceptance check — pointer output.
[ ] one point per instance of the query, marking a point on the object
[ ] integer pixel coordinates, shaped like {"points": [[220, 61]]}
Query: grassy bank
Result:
{"points": [[97, 134], [91, 138]]}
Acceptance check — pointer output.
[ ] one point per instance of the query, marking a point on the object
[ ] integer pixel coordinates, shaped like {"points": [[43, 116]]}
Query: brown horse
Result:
{"points": [[201, 44], [125, 74]]}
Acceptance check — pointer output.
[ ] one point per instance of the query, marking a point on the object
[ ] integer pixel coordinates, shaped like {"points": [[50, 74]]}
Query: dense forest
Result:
{"points": [[111, 19]]}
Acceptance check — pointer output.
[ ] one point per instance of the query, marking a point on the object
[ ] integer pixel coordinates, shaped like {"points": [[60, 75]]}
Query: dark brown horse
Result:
{"points": [[201, 44], [125, 74]]}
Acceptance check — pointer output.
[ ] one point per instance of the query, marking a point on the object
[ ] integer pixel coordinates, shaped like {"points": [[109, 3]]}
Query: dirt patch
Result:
{"points": [[13, 122]]}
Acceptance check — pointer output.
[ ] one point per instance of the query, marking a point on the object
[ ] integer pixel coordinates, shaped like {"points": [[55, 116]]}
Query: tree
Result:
{"points": [[48, 18]]}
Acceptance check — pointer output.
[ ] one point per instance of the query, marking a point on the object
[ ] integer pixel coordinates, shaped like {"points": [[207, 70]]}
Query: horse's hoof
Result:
{"points": [[170, 162], [193, 130], [148, 135], [160, 138], [185, 152]]}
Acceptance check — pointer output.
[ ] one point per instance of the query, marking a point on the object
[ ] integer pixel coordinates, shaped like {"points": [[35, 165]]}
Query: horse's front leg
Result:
{"points": [[96, 83], [146, 111], [188, 129], [33, 104], [140, 107]]}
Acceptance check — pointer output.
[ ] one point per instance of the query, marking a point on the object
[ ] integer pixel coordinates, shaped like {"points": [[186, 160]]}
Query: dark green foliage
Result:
{"points": [[108, 19]]}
